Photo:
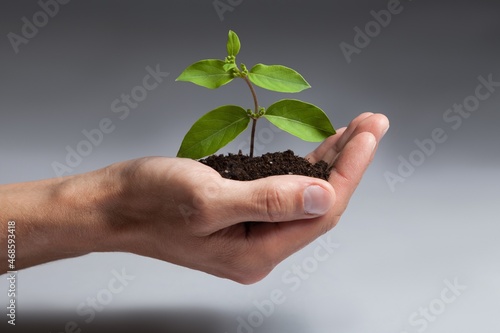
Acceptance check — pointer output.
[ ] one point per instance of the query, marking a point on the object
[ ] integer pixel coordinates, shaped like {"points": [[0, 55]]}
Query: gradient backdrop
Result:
{"points": [[398, 248]]}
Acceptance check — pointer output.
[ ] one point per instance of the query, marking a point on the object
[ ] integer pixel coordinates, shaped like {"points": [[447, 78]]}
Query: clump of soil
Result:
{"points": [[243, 167]]}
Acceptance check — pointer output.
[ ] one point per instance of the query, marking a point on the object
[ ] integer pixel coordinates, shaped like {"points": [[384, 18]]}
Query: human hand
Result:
{"points": [[184, 212]]}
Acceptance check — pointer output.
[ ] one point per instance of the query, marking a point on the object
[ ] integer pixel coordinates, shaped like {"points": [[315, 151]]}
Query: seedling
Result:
{"points": [[220, 126]]}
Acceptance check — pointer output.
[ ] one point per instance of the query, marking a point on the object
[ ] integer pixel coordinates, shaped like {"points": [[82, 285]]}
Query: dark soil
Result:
{"points": [[243, 167]]}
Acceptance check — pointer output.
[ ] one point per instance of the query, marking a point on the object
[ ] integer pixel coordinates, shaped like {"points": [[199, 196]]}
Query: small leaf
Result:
{"points": [[208, 73], [277, 78], [213, 131], [233, 44], [228, 67], [304, 120]]}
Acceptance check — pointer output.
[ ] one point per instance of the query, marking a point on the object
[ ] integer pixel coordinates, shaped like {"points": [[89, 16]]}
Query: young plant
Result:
{"points": [[218, 127]]}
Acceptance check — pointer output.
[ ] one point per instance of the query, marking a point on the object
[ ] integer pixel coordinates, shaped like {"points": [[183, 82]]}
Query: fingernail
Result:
{"points": [[316, 200]]}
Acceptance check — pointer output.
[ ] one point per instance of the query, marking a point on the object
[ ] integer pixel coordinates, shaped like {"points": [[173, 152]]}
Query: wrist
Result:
{"points": [[89, 205], [61, 217]]}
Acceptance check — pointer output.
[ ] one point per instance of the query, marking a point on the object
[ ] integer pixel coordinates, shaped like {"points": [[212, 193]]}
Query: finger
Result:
{"points": [[283, 239], [350, 166], [329, 149], [318, 154], [377, 124], [354, 127], [280, 240], [372, 123], [274, 199]]}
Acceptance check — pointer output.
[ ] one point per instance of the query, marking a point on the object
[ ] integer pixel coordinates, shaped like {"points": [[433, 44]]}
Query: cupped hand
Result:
{"points": [[181, 211]]}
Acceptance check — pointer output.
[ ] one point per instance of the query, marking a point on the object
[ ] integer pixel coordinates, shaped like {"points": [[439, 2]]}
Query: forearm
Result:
{"points": [[57, 218]]}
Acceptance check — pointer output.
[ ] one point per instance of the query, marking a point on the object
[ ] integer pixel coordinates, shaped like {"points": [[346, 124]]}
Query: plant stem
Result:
{"points": [[256, 112], [252, 137]]}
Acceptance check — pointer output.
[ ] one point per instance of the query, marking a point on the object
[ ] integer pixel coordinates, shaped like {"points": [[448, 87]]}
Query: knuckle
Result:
{"points": [[204, 195], [201, 201], [275, 204], [200, 221]]}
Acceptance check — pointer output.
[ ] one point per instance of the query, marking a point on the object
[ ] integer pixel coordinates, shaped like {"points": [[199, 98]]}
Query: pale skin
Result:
{"points": [[180, 211]]}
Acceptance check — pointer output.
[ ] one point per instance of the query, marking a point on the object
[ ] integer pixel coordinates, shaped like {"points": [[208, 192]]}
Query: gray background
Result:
{"points": [[396, 247]]}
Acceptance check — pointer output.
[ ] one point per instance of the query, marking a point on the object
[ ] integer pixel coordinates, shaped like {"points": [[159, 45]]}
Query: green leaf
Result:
{"points": [[233, 44], [213, 131], [228, 67], [304, 120], [277, 78], [208, 73]]}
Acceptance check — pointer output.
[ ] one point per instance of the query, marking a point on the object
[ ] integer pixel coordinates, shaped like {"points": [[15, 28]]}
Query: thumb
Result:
{"points": [[276, 199]]}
